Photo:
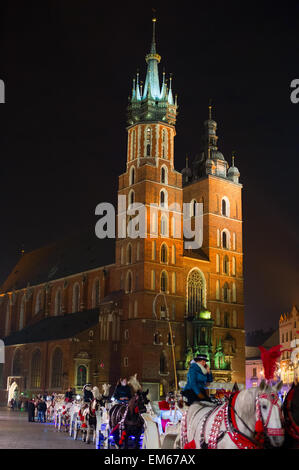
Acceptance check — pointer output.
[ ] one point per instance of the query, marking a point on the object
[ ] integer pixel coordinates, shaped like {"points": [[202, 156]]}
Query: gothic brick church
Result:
{"points": [[70, 314]]}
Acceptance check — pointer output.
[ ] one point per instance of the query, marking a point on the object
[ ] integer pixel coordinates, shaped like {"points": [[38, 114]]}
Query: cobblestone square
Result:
{"points": [[17, 433]]}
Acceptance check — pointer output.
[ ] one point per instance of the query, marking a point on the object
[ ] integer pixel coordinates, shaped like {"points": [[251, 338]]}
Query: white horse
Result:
{"points": [[74, 421], [249, 415]]}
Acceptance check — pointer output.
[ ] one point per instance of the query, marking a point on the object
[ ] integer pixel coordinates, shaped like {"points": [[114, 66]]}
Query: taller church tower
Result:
{"points": [[152, 265]]}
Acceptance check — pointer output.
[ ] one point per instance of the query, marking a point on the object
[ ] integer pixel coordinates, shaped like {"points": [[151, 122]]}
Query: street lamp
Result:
{"points": [[170, 331]]}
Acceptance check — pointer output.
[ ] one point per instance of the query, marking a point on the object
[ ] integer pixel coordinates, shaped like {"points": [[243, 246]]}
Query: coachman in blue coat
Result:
{"points": [[198, 375]]}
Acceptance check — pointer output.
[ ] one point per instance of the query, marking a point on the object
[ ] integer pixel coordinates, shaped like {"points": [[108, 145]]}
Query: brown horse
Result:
{"points": [[125, 421], [290, 410]]}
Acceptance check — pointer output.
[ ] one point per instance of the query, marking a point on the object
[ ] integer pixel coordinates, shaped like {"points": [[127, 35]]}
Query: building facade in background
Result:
{"points": [[70, 314]]}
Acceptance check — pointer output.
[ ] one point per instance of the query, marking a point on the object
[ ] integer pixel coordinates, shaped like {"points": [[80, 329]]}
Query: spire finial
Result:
{"points": [[210, 109], [233, 158]]}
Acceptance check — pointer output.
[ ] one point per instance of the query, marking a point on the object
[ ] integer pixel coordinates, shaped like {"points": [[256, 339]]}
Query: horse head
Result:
{"points": [[134, 383], [105, 389], [268, 413]]}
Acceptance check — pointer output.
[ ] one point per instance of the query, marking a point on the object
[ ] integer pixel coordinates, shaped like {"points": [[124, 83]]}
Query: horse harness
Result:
{"points": [[227, 413]]}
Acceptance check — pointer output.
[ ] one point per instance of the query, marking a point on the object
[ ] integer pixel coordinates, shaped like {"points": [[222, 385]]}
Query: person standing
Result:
{"points": [[69, 394], [87, 393], [198, 376], [31, 410]]}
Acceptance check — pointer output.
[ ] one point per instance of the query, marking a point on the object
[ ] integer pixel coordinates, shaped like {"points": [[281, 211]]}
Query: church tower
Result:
{"points": [[151, 265], [216, 185]]}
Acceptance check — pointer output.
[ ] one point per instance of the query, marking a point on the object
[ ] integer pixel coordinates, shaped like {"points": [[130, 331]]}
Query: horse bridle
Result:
{"points": [[274, 401]]}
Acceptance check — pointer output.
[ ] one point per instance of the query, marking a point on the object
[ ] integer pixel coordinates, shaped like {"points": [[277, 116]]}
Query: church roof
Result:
{"points": [[55, 328], [78, 253]]}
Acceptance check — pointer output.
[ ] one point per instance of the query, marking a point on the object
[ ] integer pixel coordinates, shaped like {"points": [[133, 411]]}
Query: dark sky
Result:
{"points": [[68, 69]]}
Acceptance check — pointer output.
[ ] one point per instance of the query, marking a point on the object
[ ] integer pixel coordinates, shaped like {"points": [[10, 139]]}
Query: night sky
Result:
{"points": [[68, 68]]}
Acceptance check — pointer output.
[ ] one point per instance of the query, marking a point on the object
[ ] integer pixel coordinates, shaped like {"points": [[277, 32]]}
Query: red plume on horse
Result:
{"points": [[269, 359]]}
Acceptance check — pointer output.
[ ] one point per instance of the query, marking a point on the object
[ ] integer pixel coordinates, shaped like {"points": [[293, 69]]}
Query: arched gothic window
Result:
{"points": [[22, 313], [164, 257], [38, 303], [56, 375], [195, 292], [76, 298], [129, 282], [164, 281], [225, 293], [148, 141], [129, 253], [36, 369], [164, 143], [132, 175], [17, 363], [163, 175], [225, 265], [58, 303], [96, 292]]}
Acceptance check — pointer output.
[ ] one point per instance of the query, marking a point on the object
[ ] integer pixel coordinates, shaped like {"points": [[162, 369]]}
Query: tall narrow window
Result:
{"points": [[225, 265], [217, 290], [131, 197], [129, 282], [163, 364], [76, 298], [38, 303], [225, 293], [217, 263], [164, 257], [173, 282], [129, 253], [132, 175], [233, 266], [133, 147], [122, 255], [135, 308], [22, 313], [56, 376], [235, 320], [163, 281], [162, 199], [218, 237], [234, 292], [96, 293], [224, 240], [57, 308], [148, 141], [163, 175], [138, 251], [164, 143], [223, 207], [234, 241], [17, 364], [36, 369]]}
